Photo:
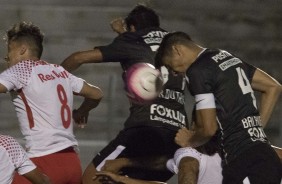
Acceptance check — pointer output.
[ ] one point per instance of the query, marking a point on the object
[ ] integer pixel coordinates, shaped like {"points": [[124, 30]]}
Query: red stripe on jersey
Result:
{"points": [[28, 110]]}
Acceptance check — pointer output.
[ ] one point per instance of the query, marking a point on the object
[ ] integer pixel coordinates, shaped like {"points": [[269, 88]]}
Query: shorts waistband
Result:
{"points": [[67, 150]]}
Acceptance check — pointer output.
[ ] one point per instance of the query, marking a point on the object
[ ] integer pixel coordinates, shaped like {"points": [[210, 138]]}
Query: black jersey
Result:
{"points": [[168, 109], [229, 79]]}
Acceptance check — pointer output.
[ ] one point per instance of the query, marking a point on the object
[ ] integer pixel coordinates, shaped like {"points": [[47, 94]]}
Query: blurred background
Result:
{"points": [[251, 29]]}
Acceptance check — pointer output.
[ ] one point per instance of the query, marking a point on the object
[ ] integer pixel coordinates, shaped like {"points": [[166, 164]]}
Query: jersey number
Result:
{"points": [[245, 85], [65, 109]]}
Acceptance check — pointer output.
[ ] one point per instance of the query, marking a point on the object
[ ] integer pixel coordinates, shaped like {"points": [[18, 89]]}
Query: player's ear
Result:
{"points": [[132, 28], [23, 49], [176, 49]]}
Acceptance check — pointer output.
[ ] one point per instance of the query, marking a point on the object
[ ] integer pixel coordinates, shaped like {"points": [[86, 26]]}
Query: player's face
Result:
{"points": [[13, 54], [175, 62]]}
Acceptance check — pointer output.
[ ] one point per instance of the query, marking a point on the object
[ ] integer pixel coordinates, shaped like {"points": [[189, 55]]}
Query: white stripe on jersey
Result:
{"points": [[111, 156], [246, 181], [205, 101]]}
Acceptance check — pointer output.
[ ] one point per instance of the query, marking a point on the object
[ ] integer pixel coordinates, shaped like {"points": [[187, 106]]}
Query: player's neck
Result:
{"points": [[196, 52], [29, 57]]}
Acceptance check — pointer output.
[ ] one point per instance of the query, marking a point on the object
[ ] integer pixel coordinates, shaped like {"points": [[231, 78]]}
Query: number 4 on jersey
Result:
{"points": [[245, 85]]}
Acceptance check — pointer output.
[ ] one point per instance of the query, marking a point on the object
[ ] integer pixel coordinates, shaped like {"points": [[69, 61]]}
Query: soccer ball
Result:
{"points": [[144, 83]]}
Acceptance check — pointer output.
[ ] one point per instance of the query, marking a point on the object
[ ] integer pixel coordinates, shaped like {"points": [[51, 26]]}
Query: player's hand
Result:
{"points": [[108, 178], [118, 25], [182, 137], [80, 118]]}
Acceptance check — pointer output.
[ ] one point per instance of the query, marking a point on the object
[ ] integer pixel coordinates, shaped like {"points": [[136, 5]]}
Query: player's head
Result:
{"points": [[170, 52], [142, 17], [24, 38]]}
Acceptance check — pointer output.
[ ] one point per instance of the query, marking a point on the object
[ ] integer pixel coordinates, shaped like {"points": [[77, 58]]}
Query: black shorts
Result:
{"points": [[148, 143], [260, 164]]}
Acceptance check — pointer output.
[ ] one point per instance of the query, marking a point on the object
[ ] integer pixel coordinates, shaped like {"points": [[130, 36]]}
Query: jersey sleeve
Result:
{"points": [[76, 83], [17, 155], [250, 70], [200, 80], [127, 47], [116, 51], [170, 165], [17, 76], [186, 152]]}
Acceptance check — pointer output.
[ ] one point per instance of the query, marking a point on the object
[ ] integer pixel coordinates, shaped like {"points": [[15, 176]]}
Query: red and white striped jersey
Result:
{"points": [[12, 158], [43, 97]]}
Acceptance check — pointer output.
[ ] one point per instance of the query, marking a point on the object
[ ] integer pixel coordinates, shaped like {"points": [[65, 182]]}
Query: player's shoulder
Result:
{"points": [[7, 141], [207, 55], [27, 65], [143, 33], [204, 62], [127, 36]]}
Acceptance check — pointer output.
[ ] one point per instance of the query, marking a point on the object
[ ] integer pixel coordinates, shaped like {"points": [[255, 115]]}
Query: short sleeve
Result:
{"points": [[250, 70], [127, 49], [115, 51], [186, 152], [201, 79], [17, 155], [76, 83], [17, 76]]}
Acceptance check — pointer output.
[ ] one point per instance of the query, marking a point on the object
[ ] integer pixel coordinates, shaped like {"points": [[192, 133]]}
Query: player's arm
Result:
{"points": [[3, 89], [186, 164], [93, 96], [188, 171], [206, 123], [270, 90], [36, 177], [111, 178], [76, 59], [205, 128]]}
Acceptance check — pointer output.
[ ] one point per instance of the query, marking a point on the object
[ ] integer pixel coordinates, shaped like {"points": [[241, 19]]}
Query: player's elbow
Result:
{"points": [[278, 88], [95, 93], [274, 90], [100, 94], [72, 61]]}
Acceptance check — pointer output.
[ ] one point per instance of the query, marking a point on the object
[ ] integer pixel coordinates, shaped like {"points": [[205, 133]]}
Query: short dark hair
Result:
{"points": [[168, 41], [29, 33], [142, 17]]}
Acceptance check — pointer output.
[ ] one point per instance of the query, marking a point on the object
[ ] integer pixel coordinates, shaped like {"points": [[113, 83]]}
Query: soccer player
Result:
{"points": [[42, 94], [197, 166], [193, 165], [13, 158], [223, 85], [150, 129]]}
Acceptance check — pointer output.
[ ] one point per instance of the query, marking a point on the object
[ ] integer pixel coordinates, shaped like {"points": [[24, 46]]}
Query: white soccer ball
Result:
{"points": [[144, 83]]}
